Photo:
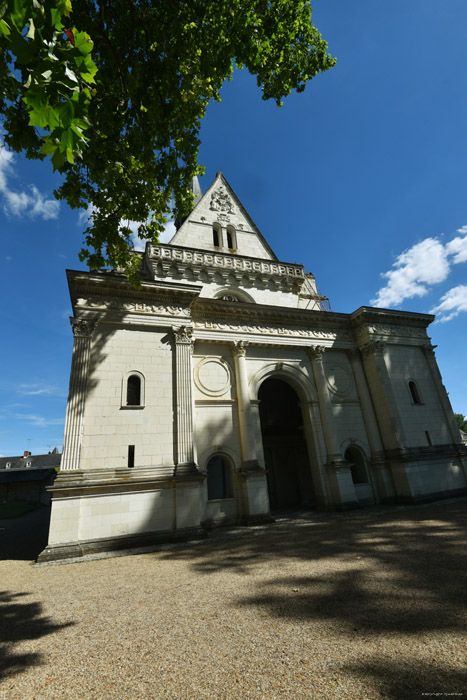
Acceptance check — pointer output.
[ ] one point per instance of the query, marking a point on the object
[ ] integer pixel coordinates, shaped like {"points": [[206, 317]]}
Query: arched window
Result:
{"points": [[356, 459], [216, 235], [133, 390], [414, 392], [218, 478], [231, 238]]}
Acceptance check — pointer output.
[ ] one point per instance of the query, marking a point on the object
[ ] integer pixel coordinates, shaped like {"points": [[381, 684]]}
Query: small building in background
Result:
{"points": [[25, 478]]}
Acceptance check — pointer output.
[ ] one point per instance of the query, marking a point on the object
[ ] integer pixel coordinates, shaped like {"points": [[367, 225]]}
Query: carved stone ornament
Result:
{"points": [[239, 348], [82, 327], [273, 330], [429, 351], [374, 347], [212, 376], [183, 335], [339, 380], [220, 201], [316, 352]]}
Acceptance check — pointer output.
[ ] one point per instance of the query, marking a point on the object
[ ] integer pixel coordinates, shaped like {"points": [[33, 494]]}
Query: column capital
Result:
{"points": [[183, 335], [82, 327], [429, 351], [316, 352], [239, 347], [373, 347]]}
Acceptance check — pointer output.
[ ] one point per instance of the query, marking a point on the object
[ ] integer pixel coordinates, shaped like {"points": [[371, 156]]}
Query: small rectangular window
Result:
{"points": [[131, 456]]}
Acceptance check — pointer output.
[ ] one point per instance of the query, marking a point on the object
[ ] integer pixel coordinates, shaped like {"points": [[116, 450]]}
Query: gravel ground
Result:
{"points": [[368, 605]]}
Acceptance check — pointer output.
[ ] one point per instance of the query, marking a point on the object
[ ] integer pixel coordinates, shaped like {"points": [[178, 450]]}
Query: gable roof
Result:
{"points": [[220, 204]]}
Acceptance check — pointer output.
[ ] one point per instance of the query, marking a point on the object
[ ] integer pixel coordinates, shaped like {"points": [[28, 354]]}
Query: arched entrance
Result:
{"points": [[284, 444]]}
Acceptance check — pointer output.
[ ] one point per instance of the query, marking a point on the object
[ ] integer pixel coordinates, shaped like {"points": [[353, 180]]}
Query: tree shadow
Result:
{"points": [[21, 621], [400, 574]]}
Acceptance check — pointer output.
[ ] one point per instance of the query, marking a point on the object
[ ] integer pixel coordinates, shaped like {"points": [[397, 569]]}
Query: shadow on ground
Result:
{"points": [[24, 538], [20, 620], [399, 574]]}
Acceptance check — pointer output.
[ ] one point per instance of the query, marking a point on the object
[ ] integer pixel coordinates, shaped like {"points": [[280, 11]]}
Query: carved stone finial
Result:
{"points": [[82, 327], [220, 201], [184, 335]]}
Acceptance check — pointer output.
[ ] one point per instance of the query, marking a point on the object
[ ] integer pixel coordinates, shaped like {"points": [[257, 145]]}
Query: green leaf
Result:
{"points": [[4, 28], [32, 30]]}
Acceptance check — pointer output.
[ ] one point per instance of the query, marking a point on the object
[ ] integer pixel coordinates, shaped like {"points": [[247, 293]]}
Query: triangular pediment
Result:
{"points": [[219, 217]]}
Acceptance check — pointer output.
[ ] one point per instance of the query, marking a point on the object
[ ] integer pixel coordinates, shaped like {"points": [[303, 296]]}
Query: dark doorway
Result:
{"points": [[285, 449]]}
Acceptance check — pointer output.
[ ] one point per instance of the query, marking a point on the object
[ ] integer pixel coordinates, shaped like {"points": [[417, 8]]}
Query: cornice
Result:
{"points": [[243, 312], [370, 315], [116, 290]]}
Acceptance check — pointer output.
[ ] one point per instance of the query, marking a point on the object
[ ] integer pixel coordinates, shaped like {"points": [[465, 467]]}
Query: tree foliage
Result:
{"points": [[461, 421], [115, 91]]}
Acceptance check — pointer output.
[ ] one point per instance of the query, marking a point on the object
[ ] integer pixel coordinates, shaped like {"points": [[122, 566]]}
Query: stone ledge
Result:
{"points": [[77, 550]]}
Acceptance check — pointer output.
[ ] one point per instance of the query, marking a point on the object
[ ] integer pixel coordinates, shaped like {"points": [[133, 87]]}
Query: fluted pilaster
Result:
{"points": [[245, 417], [184, 408], [332, 446], [82, 331]]}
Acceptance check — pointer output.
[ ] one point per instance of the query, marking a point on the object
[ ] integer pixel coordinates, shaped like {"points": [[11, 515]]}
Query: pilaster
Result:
{"points": [[82, 331], [379, 468], [430, 357], [245, 416], [338, 472], [385, 405], [185, 457]]}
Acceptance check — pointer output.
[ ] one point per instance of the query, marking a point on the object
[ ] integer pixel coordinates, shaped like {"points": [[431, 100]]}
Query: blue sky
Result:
{"points": [[362, 178]]}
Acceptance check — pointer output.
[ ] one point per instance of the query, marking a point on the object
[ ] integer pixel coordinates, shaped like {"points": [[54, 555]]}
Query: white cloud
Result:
{"points": [[31, 203], [458, 246], [39, 390], [451, 304], [39, 421], [423, 264]]}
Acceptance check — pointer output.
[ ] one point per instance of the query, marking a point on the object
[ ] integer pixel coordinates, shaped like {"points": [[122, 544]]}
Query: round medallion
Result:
{"points": [[339, 380], [212, 376]]}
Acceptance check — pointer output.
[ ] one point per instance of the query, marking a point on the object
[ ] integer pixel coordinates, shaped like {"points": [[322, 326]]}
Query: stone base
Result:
{"points": [[431, 497], [72, 550], [258, 519]]}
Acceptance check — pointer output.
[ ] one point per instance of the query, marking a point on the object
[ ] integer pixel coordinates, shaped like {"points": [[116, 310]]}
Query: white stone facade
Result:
{"points": [[224, 389]]}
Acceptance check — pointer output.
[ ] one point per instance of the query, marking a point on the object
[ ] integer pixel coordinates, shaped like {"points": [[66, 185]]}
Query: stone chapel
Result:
{"points": [[225, 389]]}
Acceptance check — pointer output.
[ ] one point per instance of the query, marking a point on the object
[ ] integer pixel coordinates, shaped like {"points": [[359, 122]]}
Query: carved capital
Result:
{"points": [[429, 351], [82, 327], [374, 347], [183, 335], [239, 348], [316, 352]]}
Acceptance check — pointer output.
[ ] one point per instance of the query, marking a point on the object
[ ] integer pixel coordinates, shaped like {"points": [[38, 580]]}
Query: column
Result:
{"points": [[184, 398], [339, 475], [385, 405], [332, 445], [429, 352], [245, 417], [254, 501], [82, 331], [388, 417], [378, 464]]}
